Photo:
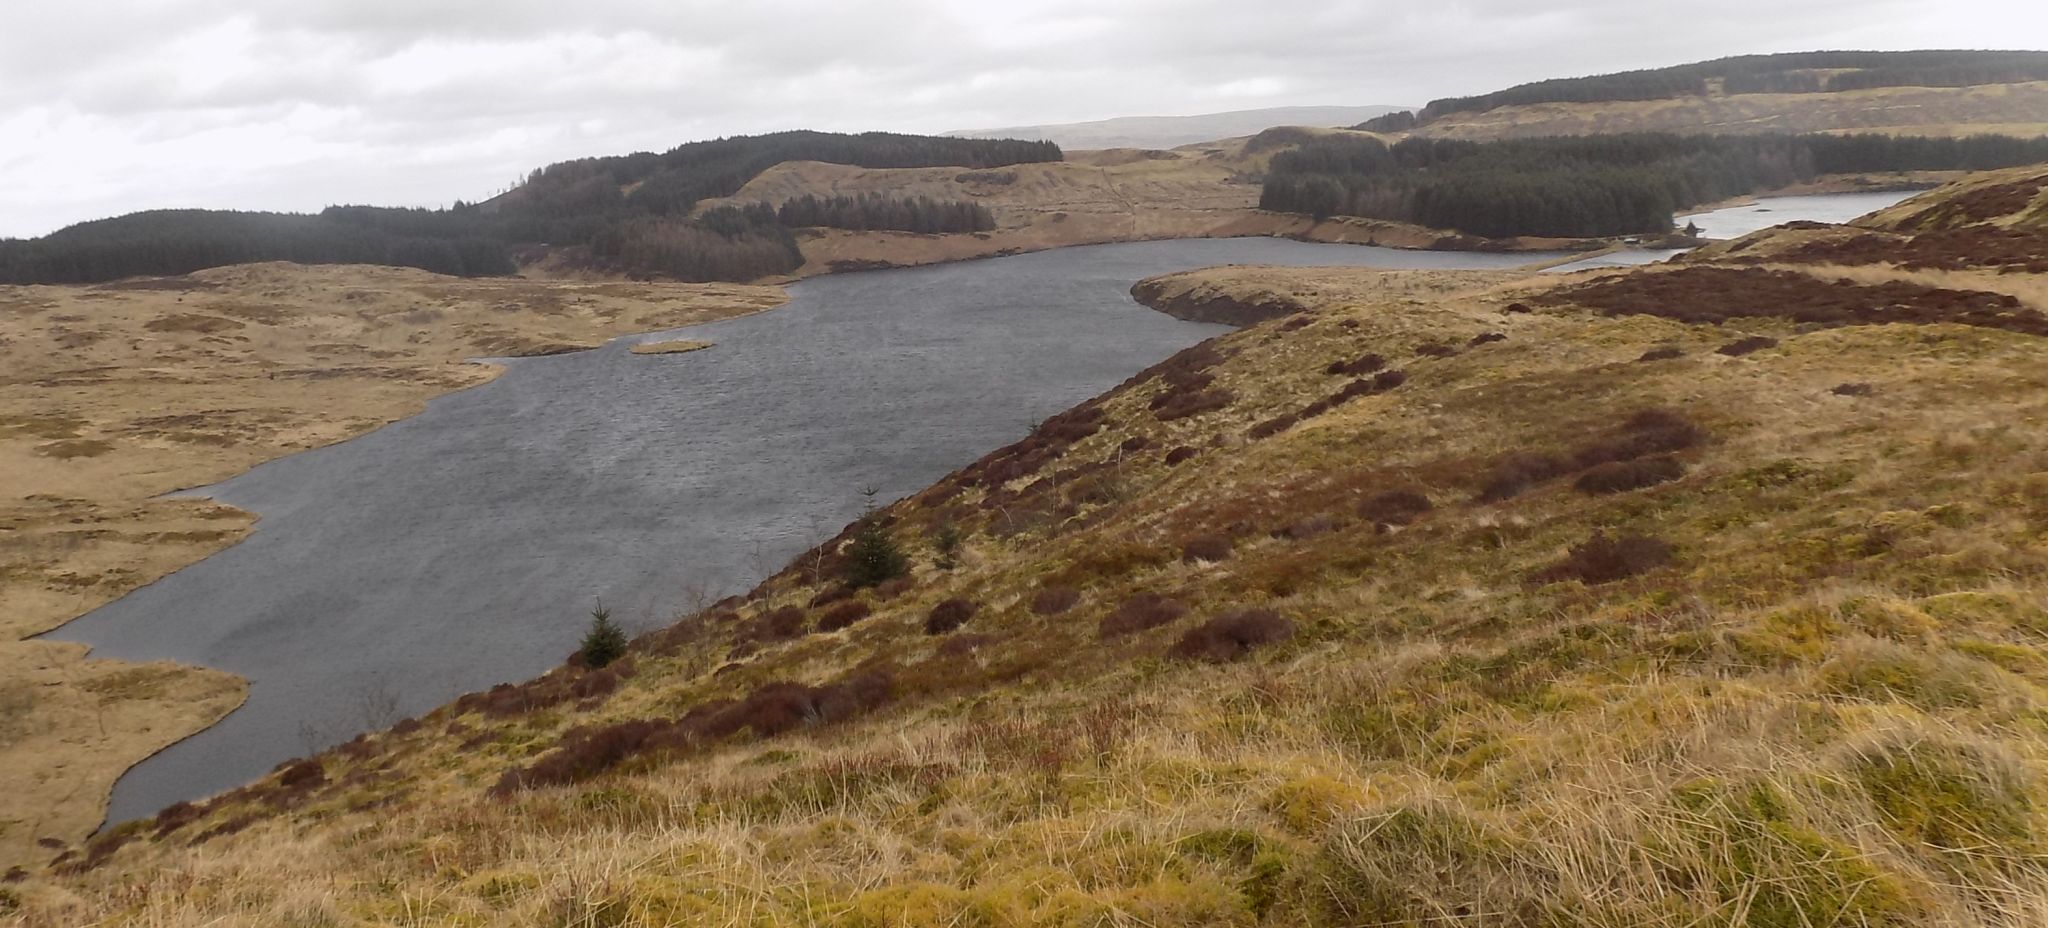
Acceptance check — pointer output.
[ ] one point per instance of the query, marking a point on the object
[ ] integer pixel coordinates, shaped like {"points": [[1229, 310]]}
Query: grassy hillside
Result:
{"points": [[1923, 92], [1686, 595]]}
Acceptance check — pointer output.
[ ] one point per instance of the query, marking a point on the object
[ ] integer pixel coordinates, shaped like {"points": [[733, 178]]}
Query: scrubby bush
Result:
{"points": [[1138, 613], [1662, 353], [1743, 346], [1604, 559], [1357, 367], [1179, 455], [777, 625], [1854, 389], [1206, 548], [949, 615], [1232, 635], [1487, 338], [843, 614], [604, 642], [1646, 432], [1054, 600], [1311, 527], [1515, 474], [1622, 476], [1394, 507]]}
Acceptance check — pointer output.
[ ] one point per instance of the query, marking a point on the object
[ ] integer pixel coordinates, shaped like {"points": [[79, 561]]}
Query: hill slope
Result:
{"points": [[1927, 92], [1175, 131], [1681, 595]]}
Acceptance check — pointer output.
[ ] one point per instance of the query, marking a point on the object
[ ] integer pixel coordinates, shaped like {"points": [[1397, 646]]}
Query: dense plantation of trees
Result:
{"points": [[1796, 72], [874, 212], [167, 242], [631, 211], [728, 243], [1582, 186]]}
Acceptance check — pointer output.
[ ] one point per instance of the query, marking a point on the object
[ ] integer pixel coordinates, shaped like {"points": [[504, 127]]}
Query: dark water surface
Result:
{"points": [[461, 548]]}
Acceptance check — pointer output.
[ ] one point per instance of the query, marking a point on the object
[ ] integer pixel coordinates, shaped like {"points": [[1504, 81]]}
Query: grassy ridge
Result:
{"points": [[1592, 615]]}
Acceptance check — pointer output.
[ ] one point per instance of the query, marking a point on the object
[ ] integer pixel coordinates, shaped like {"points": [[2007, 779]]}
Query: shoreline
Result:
{"points": [[312, 362]]}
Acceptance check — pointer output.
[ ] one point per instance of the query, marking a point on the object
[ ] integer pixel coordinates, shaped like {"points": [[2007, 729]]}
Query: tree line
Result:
{"points": [[1587, 186], [1795, 72], [631, 213], [872, 212]]}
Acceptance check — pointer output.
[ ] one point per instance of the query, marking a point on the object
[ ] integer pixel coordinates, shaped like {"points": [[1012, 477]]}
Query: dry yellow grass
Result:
{"points": [[113, 395], [1825, 709]]}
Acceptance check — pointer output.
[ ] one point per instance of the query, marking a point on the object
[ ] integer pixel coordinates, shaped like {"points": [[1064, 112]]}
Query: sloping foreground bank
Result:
{"points": [[1714, 593]]}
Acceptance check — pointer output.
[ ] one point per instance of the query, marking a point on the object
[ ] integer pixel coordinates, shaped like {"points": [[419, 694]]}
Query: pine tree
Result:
{"points": [[604, 642], [873, 558]]}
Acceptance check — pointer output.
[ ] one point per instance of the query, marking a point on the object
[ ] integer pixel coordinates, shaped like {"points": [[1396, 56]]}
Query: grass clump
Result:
{"points": [[1951, 795]]}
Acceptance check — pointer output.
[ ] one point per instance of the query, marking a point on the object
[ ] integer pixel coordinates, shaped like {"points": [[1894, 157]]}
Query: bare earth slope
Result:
{"points": [[1711, 593], [2007, 109], [115, 394]]}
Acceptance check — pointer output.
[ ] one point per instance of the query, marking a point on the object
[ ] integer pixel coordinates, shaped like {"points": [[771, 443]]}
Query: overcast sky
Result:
{"points": [[110, 106]]}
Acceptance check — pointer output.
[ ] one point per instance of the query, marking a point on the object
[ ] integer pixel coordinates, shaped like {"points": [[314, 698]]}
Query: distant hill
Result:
{"points": [[1175, 131], [1904, 93]]}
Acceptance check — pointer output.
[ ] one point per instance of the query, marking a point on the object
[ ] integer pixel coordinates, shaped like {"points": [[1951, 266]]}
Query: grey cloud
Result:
{"points": [[112, 105]]}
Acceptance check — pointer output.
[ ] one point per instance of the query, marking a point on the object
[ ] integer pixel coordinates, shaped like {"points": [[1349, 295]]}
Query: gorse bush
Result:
{"points": [[604, 642]]}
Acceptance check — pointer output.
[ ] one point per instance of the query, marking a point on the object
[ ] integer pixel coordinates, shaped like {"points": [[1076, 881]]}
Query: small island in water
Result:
{"points": [[672, 346]]}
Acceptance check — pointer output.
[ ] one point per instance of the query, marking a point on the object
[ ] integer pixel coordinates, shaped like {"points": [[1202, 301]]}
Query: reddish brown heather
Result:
{"points": [[2010, 251], [1394, 507], [1357, 367], [1979, 205], [1140, 612], [949, 615], [1232, 635], [843, 615], [1622, 476], [1750, 345], [1206, 548], [1604, 559], [1665, 353], [1054, 600], [1714, 295]]}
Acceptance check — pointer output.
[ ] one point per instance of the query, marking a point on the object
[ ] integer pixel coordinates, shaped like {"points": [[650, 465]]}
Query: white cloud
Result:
{"points": [[108, 106]]}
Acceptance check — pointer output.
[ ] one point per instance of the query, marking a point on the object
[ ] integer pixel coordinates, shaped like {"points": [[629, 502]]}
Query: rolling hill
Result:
{"points": [[1936, 93]]}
